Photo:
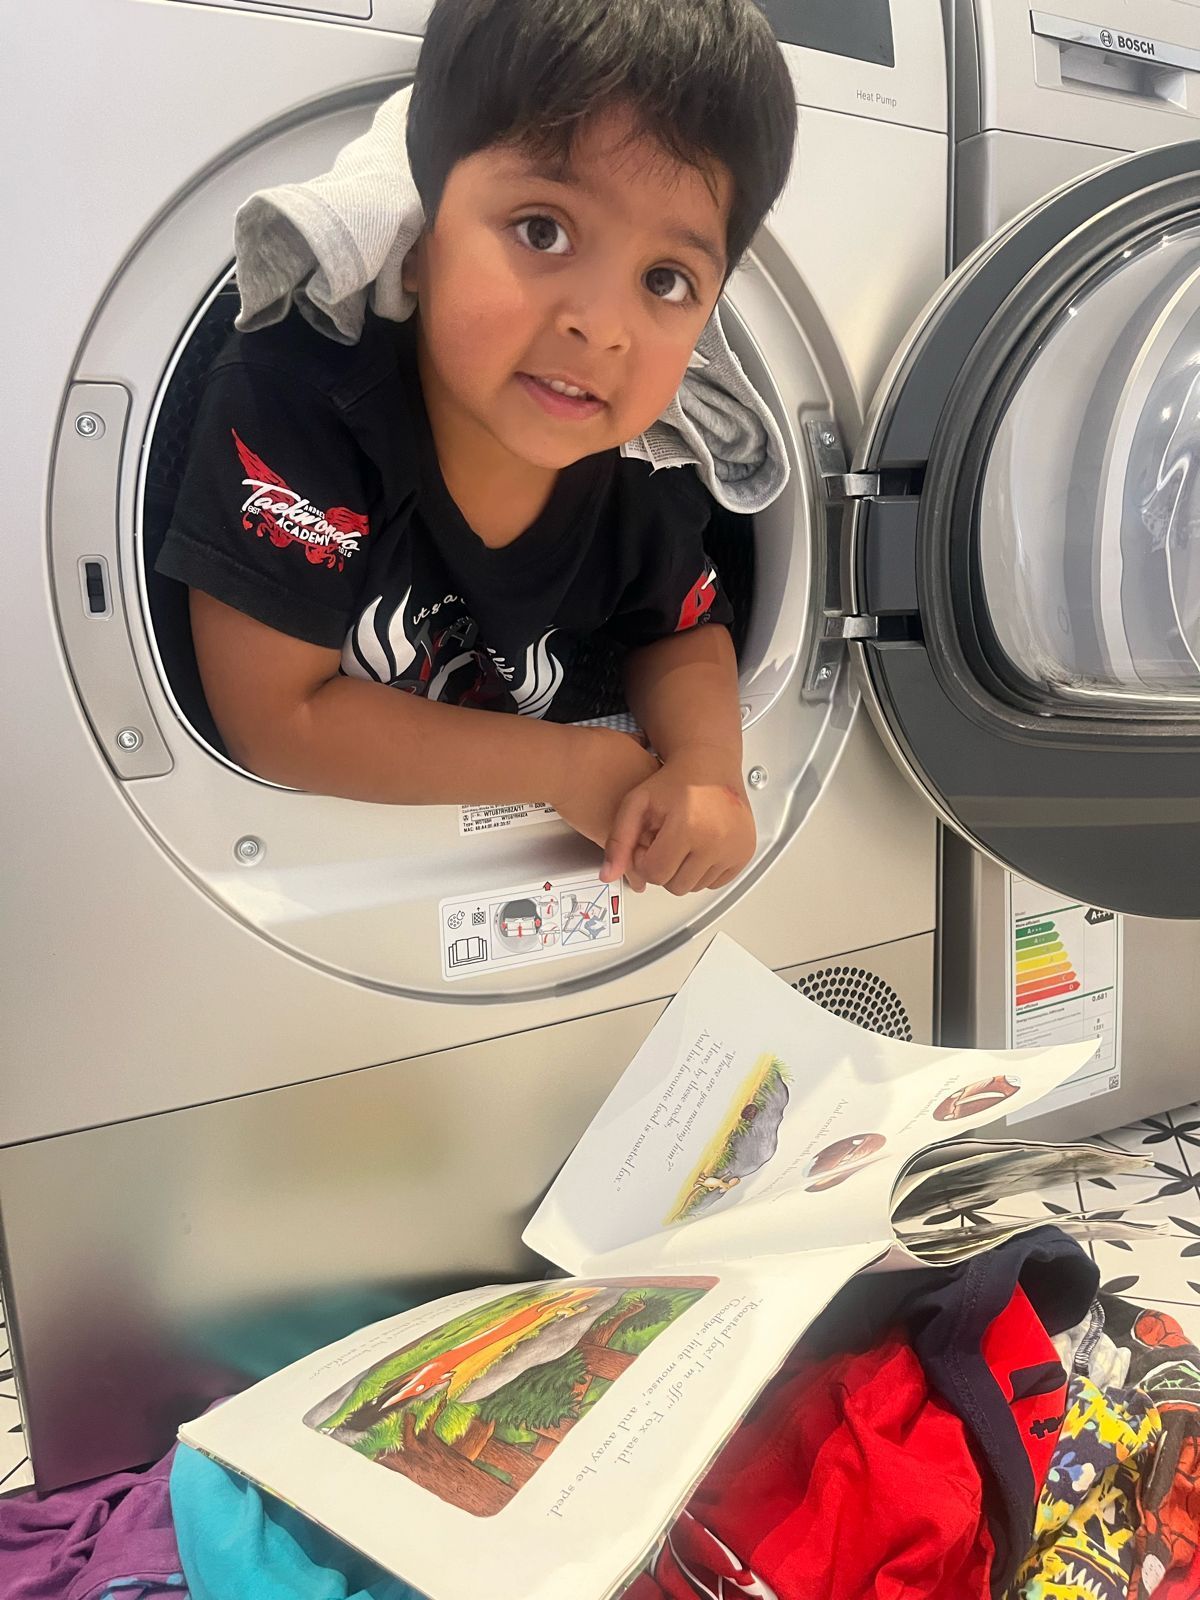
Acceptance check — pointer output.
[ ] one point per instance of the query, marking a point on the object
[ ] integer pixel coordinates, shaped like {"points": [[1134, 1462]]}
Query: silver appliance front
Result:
{"points": [[206, 1247]]}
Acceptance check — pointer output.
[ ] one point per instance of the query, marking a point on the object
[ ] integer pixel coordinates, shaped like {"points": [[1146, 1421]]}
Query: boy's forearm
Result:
{"points": [[368, 741], [683, 691]]}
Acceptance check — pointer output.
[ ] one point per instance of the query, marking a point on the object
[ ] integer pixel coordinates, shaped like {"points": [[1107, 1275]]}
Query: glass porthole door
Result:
{"points": [[1024, 572]]}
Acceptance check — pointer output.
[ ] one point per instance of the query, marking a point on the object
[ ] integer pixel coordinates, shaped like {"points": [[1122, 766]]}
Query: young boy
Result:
{"points": [[443, 508]]}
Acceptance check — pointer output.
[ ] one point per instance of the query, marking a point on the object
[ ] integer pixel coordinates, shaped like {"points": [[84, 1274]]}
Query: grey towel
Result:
{"points": [[335, 244]]}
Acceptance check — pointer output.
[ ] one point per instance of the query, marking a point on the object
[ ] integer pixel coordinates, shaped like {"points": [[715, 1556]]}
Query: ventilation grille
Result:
{"points": [[859, 996]]}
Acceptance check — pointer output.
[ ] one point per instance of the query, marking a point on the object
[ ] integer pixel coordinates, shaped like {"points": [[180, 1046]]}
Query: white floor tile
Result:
{"points": [[1163, 1270], [1149, 1271], [15, 1470]]}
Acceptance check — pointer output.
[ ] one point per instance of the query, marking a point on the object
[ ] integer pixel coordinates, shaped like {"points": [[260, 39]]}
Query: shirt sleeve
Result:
{"points": [[272, 512], [675, 586]]}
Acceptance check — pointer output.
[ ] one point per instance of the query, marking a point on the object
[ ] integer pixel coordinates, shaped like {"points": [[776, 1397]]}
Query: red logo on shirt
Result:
{"points": [[273, 511], [700, 598]]}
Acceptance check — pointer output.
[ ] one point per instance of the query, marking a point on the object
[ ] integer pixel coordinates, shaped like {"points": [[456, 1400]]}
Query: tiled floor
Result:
{"points": [[1157, 1271], [14, 1463]]}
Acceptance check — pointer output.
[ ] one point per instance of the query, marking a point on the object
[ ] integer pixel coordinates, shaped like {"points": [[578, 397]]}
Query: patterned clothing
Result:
{"points": [[1087, 1515], [1166, 1365]]}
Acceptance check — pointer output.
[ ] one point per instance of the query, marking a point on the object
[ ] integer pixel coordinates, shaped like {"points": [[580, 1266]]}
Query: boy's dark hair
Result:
{"points": [[703, 79]]}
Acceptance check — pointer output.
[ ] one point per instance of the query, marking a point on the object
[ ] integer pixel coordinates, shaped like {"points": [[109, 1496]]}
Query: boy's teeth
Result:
{"points": [[565, 388]]}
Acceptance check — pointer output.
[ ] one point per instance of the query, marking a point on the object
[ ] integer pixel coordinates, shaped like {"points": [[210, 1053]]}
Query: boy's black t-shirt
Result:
{"points": [[312, 500]]}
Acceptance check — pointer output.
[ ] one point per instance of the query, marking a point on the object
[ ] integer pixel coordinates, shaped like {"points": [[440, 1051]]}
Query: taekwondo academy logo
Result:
{"points": [[271, 510]]}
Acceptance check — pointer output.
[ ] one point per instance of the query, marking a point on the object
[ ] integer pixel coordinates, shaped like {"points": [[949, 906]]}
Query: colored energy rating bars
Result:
{"points": [[1043, 967]]}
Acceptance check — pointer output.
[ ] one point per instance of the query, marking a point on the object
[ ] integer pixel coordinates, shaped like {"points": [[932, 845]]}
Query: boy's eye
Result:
{"points": [[538, 233], [670, 272], [541, 231]]}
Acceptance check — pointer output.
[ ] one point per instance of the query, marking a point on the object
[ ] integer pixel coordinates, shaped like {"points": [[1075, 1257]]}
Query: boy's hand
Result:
{"points": [[687, 826], [604, 766]]}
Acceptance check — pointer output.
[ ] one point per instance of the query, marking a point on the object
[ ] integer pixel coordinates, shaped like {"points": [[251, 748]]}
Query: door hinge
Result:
{"points": [[832, 629], [844, 628], [835, 633], [830, 460]]}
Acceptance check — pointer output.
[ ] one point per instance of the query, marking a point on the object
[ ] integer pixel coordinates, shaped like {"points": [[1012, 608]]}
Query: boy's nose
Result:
{"points": [[598, 317]]}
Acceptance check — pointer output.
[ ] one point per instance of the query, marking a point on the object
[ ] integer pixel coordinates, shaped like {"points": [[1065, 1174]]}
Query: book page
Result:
{"points": [[528, 1441], [754, 1119], [986, 1175]]}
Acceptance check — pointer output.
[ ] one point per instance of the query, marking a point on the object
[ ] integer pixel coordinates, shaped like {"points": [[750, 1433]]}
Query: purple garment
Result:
{"points": [[76, 1543]]}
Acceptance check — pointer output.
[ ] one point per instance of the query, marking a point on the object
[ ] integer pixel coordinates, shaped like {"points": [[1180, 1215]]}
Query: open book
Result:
{"points": [[531, 1441]]}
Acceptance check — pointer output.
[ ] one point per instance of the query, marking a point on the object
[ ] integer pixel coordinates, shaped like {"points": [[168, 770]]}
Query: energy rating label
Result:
{"points": [[1064, 986]]}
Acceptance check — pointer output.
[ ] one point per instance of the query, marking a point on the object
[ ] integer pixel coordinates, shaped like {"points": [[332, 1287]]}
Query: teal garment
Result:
{"points": [[235, 1540], [142, 1588]]}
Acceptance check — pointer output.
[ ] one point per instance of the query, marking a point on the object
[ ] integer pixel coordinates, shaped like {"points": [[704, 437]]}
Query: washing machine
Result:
{"points": [[276, 1064], [1039, 100], [267, 1075]]}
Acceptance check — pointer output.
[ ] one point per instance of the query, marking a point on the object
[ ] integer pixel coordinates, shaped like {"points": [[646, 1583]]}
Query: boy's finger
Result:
{"points": [[643, 845], [633, 872], [666, 855], [689, 875], [623, 840], [633, 875]]}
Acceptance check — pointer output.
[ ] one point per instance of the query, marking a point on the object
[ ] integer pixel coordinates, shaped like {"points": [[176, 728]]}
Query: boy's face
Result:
{"points": [[591, 278]]}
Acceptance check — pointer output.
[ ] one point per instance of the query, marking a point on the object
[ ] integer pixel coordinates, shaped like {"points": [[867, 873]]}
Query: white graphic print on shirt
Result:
{"points": [[435, 652], [541, 681]]}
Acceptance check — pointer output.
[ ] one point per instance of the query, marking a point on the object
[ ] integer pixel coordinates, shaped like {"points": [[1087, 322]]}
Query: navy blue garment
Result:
{"points": [[946, 1312]]}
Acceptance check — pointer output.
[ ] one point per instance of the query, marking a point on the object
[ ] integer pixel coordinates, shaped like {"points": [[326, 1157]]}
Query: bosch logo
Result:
{"points": [[1137, 47], [1106, 38]]}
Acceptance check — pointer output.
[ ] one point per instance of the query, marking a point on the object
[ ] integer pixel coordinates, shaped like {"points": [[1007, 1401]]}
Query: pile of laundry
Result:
{"points": [[992, 1429]]}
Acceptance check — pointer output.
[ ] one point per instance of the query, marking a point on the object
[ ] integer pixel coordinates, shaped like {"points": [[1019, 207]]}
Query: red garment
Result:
{"points": [[1025, 1365], [848, 1481], [852, 1480]]}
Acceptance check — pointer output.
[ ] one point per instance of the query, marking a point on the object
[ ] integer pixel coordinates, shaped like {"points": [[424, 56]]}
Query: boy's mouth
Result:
{"points": [[575, 406]]}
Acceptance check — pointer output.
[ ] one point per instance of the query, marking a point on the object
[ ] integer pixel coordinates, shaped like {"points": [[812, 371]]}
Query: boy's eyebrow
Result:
{"points": [[560, 172]]}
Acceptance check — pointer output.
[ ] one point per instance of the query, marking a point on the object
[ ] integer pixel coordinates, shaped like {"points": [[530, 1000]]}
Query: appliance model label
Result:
{"points": [[1064, 986], [534, 922], [490, 819]]}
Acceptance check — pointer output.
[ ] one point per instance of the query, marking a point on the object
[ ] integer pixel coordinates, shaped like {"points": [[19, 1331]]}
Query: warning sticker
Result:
{"points": [[1064, 986], [538, 922], [490, 819]]}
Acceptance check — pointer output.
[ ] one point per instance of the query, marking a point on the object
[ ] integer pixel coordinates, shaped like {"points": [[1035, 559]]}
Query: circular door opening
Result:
{"points": [[730, 543], [356, 888]]}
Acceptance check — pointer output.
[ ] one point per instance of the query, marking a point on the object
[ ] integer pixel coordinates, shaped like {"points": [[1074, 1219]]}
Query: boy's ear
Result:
{"points": [[410, 266]]}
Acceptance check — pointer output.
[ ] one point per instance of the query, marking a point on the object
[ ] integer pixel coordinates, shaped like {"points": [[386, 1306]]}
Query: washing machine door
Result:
{"points": [[431, 902], [1022, 572]]}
